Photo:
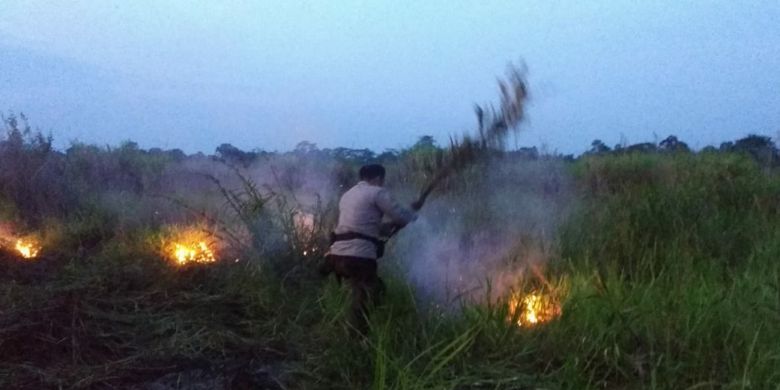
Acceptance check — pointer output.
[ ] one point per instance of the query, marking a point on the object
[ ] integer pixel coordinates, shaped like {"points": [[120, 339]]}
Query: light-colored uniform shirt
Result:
{"points": [[360, 211]]}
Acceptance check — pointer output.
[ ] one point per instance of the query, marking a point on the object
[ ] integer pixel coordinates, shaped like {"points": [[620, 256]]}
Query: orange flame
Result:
{"points": [[28, 249], [193, 253], [533, 309], [194, 244]]}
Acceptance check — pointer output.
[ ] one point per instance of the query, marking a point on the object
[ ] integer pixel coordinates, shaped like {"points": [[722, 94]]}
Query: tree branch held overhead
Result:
{"points": [[493, 127]]}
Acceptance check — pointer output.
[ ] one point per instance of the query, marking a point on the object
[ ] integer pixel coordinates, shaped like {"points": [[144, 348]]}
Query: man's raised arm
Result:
{"points": [[399, 214]]}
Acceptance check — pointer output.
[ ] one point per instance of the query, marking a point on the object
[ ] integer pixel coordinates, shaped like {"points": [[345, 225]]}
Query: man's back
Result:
{"points": [[360, 211]]}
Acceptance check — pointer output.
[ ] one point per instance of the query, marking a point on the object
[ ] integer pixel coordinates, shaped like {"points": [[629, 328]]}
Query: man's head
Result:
{"points": [[373, 174]]}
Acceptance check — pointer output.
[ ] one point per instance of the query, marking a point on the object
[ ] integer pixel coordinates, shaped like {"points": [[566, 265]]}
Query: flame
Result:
{"points": [[190, 244], [532, 309], [193, 253], [28, 249]]}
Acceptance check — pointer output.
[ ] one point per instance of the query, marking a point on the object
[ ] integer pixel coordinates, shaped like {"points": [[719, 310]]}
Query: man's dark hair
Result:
{"points": [[371, 171]]}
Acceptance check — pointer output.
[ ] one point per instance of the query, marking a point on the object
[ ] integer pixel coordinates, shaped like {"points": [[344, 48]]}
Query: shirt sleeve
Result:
{"points": [[390, 207]]}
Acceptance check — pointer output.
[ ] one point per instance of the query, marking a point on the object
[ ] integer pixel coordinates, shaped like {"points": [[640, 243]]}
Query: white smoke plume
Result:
{"points": [[478, 240]]}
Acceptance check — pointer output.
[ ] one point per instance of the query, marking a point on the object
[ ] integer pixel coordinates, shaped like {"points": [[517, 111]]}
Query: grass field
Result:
{"points": [[666, 268]]}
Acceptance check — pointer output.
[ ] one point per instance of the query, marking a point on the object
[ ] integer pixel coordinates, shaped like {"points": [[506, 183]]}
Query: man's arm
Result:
{"points": [[400, 215]]}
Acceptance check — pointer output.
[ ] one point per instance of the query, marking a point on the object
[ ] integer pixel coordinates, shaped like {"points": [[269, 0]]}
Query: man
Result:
{"points": [[356, 244]]}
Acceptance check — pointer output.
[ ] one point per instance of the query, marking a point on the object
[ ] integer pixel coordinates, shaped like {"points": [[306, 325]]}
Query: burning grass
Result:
{"points": [[534, 308], [191, 245], [193, 253], [28, 248]]}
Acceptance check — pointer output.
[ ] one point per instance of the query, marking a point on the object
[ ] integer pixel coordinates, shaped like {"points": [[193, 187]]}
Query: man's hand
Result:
{"points": [[388, 228]]}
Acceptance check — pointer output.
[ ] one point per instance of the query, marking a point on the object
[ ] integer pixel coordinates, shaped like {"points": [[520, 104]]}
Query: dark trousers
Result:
{"points": [[367, 287]]}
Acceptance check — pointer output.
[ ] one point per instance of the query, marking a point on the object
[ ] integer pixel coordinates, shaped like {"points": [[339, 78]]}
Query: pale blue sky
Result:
{"points": [[192, 74]]}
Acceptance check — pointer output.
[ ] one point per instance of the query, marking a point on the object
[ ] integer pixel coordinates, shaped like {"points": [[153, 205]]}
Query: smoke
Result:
{"points": [[297, 192], [304, 181], [494, 228]]}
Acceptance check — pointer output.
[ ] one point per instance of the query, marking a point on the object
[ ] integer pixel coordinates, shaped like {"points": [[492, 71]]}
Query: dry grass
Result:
{"points": [[493, 126]]}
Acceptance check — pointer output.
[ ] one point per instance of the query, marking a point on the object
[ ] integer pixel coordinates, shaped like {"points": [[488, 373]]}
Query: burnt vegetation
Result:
{"points": [[666, 268]]}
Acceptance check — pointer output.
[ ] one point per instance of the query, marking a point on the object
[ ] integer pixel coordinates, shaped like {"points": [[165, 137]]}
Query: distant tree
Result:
{"points": [[526, 153], [388, 156], [231, 154], [755, 142], [672, 144], [176, 155], [362, 156], [306, 147], [709, 149], [761, 148], [643, 147], [129, 146], [228, 151], [136, 167], [598, 147], [354, 156], [263, 154], [424, 156], [21, 138], [425, 142]]}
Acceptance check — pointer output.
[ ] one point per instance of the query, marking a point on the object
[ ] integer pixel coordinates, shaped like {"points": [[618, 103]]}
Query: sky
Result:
{"points": [[380, 74]]}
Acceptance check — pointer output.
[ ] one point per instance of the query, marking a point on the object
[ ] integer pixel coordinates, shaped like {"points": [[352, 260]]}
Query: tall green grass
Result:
{"points": [[667, 272], [669, 277]]}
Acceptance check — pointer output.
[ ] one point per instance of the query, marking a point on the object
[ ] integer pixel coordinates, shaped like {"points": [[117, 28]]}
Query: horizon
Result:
{"points": [[268, 76], [623, 145]]}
